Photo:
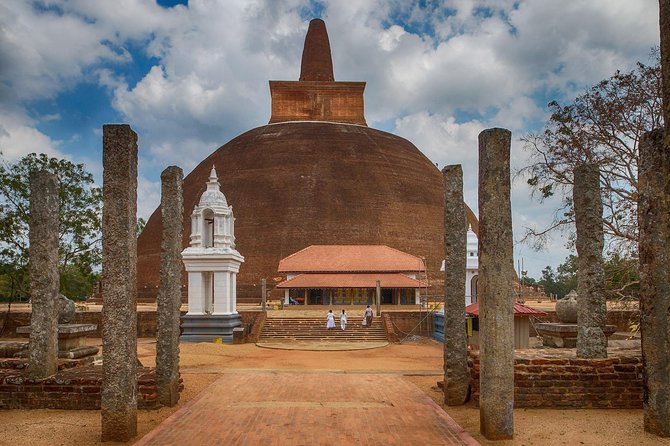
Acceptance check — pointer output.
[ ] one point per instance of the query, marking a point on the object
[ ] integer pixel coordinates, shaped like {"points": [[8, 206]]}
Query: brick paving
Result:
{"points": [[309, 409]]}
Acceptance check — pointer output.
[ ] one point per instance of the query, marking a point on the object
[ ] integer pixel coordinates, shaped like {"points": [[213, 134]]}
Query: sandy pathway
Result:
{"points": [[203, 363]]}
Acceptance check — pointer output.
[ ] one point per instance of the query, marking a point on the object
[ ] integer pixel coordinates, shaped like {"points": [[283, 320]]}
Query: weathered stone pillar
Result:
{"points": [[169, 294], [119, 287], [654, 223], [44, 276], [456, 373], [264, 294], [592, 306], [664, 22], [496, 286]]}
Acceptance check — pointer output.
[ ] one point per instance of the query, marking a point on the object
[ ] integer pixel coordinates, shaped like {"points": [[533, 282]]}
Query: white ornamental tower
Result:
{"points": [[212, 264], [471, 267]]}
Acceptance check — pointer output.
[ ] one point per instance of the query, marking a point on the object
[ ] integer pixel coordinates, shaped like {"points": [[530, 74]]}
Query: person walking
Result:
{"points": [[330, 320], [367, 317], [343, 320]]}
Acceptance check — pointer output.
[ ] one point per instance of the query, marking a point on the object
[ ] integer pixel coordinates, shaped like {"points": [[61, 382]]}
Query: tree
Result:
{"points": [[602, 125], [79, 228], [620, 274], [563, 280]]}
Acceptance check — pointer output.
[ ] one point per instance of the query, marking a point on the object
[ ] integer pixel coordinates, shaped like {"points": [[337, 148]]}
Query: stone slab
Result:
{"points": [[567, 330], [66, 329], [79, 352], [564, 335]]}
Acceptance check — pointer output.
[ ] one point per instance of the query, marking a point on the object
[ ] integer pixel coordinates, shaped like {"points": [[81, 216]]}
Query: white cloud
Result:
{"points": [[485, 65], [19, 137]]}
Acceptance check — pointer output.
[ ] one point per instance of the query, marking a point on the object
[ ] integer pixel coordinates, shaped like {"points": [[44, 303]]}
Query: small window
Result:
{"points": [[472, 254]]}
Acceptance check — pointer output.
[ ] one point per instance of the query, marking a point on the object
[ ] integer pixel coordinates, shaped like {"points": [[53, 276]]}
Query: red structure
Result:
{"points": [[316, 175]]}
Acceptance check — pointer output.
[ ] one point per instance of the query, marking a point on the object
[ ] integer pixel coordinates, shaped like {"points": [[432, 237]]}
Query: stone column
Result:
{"points": [[591, 304], [119, 284], [264, 294], [456, 373], [664, 23], [654, 221], [496, 292], [169, 294], [44, 276]]}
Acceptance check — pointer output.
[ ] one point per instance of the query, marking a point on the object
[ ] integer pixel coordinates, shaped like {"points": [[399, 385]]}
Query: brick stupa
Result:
{"points": [[315, 175]]}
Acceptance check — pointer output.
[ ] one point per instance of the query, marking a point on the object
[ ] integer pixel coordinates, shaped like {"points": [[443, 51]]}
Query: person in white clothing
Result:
{"points": [[343, 320], [330, 320]]}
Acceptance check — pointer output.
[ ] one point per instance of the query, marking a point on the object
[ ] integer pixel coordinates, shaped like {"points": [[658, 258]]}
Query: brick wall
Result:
{"points": [[77, 388], [558, 379]]}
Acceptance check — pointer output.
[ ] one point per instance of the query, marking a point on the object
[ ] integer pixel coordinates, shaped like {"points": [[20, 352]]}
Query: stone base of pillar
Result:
{"points": [[207, 328]]}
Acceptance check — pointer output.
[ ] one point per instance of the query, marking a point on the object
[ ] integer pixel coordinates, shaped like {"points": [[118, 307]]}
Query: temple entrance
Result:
{"points": [[316, 297], [387, 296]]}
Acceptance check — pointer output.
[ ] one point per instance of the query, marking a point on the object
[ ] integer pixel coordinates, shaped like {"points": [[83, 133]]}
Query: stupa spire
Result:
{"points": [[317, 64], [213, 183]]}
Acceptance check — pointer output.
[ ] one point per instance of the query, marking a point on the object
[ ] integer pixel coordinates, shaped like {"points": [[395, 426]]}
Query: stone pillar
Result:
{"points": [[44, 276], [496, 292], [119, 284], [169, 294], [456, 373], [664, 23], [654, 221], [591, 304], [264, 294]]}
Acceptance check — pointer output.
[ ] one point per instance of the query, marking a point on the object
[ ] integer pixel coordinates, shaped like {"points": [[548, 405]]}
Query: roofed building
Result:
{"points": [[348, 274], [315, 175]]}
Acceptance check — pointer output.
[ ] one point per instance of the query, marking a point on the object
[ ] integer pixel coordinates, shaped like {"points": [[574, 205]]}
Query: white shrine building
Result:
{"points": [[471, 267], [212, 264]]}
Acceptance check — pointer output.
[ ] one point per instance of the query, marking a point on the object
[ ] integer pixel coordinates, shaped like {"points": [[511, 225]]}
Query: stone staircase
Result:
{"points": [[312, 329]]}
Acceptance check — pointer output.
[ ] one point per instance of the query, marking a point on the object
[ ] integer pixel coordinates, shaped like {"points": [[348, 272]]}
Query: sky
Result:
{"points": [[189, 76]]}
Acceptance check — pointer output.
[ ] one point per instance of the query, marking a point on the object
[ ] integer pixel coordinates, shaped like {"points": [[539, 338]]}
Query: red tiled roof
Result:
{"points": [[519, 310], [351, 281], [350, 258]]}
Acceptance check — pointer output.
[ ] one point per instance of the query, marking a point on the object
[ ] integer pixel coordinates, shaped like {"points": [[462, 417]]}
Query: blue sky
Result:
{"points": [[190, 76]]}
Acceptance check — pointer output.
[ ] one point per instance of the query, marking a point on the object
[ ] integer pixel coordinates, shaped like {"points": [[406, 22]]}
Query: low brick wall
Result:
{"points": [[558, 379], [74, 388]]}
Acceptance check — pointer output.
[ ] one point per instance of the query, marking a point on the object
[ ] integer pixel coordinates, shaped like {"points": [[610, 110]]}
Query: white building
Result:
{"points": [[212, 264], [471, 267]]}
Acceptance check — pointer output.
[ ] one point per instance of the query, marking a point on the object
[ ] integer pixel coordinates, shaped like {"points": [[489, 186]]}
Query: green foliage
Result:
{"points": [[621, 278], [79, 229], [141, 223], [561, 281]]}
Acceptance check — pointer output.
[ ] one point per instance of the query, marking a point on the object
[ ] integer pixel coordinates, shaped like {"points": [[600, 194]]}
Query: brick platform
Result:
{"points": [[310, 409], [72, 388], [556, 378]]}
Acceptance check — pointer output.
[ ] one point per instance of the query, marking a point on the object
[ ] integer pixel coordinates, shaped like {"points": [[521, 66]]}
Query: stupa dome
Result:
{"points": [[213, 195], [316, 175]]}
